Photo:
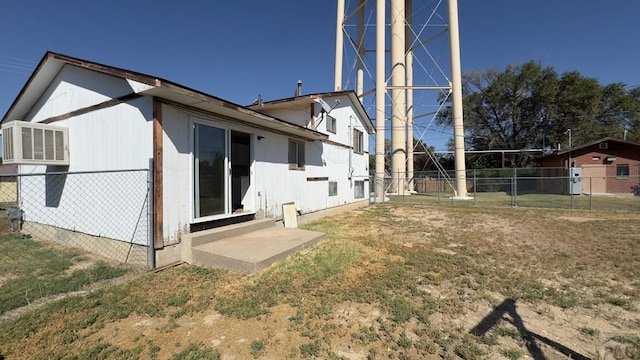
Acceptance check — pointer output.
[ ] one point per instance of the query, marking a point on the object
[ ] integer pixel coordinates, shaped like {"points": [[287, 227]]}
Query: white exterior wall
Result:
{"points": [[75, 88], [272, 182], [323, 159], [177, 178], [114, 138]]}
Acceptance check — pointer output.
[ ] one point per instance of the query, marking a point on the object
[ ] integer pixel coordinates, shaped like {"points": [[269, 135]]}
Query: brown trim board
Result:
{"points": [[88, 109], [158, 238]]}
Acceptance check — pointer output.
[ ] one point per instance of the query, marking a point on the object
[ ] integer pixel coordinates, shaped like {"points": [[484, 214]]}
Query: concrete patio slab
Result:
{"points": [[254, 250]]}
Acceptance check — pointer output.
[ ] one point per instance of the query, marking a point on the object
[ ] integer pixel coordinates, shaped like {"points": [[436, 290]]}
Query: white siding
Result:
{"points": [[114, 138], [272, 182], [75, 88], [176, 173], [337, 162]]}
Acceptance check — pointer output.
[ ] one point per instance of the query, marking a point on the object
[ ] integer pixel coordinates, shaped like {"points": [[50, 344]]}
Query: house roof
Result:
{"points": [[306, 100], [144, 84], [606, 139]]}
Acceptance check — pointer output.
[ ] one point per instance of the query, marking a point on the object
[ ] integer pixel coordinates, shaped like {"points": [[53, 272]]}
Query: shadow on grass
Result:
{"points": [[508, 306]]}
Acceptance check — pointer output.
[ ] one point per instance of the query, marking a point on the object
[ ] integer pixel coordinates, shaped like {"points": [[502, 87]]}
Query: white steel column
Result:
{"points": [[456, 87], [380, 97], [398, 97], [339, 46], [360, 75], [408, 7]]}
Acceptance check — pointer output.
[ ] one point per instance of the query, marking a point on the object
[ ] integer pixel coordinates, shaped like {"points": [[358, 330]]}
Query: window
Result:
{"points": [[359, 190], [622, 170], [358, 142], [331, 124], [333, 188], [296, 155]]}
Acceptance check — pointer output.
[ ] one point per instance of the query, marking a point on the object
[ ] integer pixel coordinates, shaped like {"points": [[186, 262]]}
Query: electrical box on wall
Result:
{"points": [[25, 142]]}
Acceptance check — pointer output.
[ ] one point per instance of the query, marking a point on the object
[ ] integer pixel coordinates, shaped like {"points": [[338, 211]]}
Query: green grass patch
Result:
{"points": [[257, 347], [503, 199], [512, 353], [469, 351], [197, 352], [35, 270], [319, 272], [507, 332], [310, 349], [404, 341], [589, 331], [630, 348]]}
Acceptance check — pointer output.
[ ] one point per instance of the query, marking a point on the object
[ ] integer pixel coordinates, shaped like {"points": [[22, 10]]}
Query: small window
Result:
{"points": [[622, 170], [359, 190], [296, 155], [603, 146], [333, 188], [358, 142], [331, 124]]}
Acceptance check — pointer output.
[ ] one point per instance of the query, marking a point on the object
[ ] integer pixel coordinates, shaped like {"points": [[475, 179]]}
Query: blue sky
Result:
{"points": [[239, 49]]}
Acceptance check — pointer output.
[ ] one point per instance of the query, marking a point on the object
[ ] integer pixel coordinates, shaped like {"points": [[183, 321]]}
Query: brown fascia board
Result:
{"points": [[307, 96], [143, 78], [606, 139]]}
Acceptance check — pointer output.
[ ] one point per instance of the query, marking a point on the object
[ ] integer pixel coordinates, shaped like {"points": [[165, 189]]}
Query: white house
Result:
{"points": [[214, 161]]}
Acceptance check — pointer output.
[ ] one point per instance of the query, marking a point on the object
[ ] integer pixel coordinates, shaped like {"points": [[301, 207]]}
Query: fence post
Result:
{"points": [[571, 188], [570, 184], [438, 187], [590, 194], [474, 187], [515, 186], [151, 251]]}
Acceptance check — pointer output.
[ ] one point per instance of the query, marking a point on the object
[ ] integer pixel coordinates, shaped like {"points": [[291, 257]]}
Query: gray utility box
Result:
{"points": [[575, 181]]}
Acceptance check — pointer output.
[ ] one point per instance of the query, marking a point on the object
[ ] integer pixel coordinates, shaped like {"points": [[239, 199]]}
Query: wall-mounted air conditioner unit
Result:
{"points": [[25, 142]]}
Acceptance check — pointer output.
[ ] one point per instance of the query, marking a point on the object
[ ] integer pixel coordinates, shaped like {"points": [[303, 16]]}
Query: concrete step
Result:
{"points": [[216, 234], [253, 251]]}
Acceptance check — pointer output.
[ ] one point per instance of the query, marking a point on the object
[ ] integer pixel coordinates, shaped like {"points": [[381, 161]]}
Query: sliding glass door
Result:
{"points": [[210, 171]]}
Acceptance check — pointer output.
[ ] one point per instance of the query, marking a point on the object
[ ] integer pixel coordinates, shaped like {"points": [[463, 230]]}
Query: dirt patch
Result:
{"points": [[231, 337]]}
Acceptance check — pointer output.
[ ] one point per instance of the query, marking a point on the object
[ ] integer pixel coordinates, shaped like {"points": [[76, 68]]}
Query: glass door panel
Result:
{"points": [[210, 159]]}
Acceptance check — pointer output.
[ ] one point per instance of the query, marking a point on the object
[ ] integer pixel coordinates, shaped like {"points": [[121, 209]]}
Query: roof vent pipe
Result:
{"points": [[299, 90]]}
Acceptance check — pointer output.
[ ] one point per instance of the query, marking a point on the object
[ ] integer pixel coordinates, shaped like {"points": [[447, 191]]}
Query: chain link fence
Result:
{"points": [[105, 213], [582, 188], [62, 232]]}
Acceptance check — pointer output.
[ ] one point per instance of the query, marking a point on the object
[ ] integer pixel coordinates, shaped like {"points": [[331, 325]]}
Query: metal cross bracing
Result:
{"points": [[417, 62]]}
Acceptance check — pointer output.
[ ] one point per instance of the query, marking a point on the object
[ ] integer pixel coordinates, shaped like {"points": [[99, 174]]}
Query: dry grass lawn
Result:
{"points": [[390, 282]]}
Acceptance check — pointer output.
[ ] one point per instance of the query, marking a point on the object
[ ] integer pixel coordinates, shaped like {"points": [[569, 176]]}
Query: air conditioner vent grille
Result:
{"points": [[34, 143]]}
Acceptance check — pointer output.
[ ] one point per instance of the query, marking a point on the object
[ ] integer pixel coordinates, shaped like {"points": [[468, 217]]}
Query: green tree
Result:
{"points": [[530, 106], [508, 110]]}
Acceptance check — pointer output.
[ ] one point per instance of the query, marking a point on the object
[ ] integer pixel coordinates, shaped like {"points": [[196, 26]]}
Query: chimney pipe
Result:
{"points": [[299, 91]]}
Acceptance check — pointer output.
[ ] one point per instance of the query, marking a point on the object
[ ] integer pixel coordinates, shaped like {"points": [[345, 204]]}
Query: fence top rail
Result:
{"points": [[73, 172]]}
